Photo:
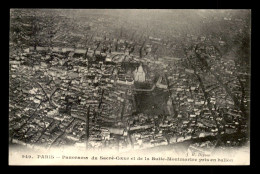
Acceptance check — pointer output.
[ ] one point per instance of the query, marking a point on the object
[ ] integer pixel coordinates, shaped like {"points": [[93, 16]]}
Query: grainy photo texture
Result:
{"points": [[129, 87]]}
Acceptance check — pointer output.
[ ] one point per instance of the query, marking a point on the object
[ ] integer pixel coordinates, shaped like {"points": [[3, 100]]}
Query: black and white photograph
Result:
{"points": [[129, 86]]}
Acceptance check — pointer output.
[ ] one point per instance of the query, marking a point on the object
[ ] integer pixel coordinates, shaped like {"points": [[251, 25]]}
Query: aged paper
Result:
{"points": [[129, 87]]}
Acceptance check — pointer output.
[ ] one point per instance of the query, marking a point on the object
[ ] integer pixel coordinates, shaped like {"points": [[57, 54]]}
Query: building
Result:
{"points": [[139, 74]]}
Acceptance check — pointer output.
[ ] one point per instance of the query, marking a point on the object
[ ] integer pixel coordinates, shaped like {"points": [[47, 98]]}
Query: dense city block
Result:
{"points": [[129, 79]]}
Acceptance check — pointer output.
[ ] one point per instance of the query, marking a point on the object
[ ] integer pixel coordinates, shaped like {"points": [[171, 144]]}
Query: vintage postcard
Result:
{"points": [[129, 87]]}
